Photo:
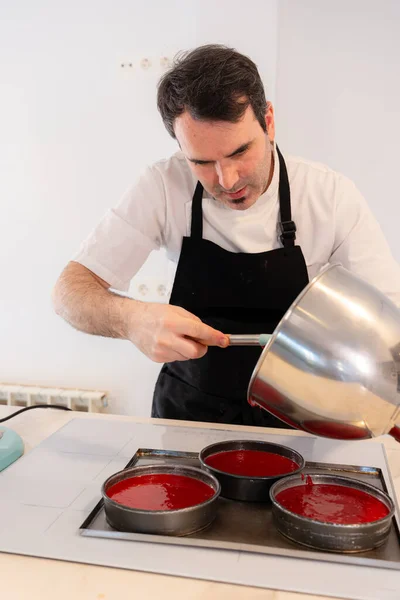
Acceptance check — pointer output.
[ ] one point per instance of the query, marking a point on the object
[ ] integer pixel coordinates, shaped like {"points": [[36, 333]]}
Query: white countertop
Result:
{"points": [[23, 577]]}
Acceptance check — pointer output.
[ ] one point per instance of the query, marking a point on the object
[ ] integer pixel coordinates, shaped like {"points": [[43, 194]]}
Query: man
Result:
{"points": [[246, 227]]}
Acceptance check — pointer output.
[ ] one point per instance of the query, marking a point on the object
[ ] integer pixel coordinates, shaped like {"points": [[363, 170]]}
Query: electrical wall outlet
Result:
{"points": [[150, 289], [130, 66]]}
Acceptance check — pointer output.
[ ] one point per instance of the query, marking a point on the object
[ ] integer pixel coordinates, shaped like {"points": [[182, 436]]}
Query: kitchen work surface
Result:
{"points": [[48, 494]]}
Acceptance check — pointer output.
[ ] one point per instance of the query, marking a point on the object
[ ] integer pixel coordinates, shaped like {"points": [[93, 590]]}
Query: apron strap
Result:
{"points": [[196, 230], [287, 227]]}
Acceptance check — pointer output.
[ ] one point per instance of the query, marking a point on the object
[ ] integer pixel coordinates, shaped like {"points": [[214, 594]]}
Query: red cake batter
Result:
{"points": [[251, 463], [332, 503], [161, 491], [338, 431]]}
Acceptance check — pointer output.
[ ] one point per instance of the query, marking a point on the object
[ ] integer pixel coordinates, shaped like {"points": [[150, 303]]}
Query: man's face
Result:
{"points": [[233, 161]]}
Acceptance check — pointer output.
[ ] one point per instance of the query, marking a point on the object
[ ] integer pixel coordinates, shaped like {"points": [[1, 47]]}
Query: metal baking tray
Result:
{"points": [[249, 527]]}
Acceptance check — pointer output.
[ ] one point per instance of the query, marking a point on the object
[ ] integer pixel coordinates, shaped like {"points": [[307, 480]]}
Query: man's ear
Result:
{"points": [[270, 121]]}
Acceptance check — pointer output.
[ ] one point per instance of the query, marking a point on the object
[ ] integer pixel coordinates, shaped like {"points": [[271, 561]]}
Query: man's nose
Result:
{"points": [[227, 176]]}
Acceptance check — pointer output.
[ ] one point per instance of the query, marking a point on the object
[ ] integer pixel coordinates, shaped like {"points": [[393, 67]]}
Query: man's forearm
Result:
{"points": [[84, 301]]}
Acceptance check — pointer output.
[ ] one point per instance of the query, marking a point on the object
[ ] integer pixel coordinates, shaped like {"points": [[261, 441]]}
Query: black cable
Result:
{"points": [[18, 412]]}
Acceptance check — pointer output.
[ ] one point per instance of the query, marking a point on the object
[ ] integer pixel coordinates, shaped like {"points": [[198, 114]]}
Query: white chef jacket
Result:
{"points": [[334, 224]]}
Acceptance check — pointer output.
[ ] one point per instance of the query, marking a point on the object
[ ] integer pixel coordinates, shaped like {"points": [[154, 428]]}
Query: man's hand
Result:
{"points": [[166, 333]]}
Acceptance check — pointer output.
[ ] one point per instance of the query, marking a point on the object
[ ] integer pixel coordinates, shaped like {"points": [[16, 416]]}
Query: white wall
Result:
{"points": [[338, 94], [76, 129]]}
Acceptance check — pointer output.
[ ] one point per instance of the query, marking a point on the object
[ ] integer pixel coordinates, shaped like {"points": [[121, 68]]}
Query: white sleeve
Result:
{"points": [[360, 245], [119, 245]]}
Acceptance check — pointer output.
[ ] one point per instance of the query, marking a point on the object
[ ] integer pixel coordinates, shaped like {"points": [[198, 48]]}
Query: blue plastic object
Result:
{"points": [[11, 447]]}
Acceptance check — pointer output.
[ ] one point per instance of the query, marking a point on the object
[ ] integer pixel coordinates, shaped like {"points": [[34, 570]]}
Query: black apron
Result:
{"points": [[234, 293]]}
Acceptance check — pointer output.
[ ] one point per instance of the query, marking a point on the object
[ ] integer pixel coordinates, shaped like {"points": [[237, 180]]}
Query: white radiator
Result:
{"points": [[12, 394]]}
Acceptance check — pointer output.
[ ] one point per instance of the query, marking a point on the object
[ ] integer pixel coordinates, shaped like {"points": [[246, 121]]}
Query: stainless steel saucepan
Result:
{"points": [[332, 365]]}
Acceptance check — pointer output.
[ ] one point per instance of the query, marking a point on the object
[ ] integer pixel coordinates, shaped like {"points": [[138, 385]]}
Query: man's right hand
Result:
{"points": [[166, 333]]}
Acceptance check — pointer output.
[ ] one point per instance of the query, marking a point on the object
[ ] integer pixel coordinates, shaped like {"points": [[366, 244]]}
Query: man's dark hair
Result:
{"points": [[213, 83]]}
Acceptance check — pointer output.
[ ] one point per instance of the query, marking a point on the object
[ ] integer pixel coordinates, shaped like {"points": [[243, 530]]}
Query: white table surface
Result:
{"points": [[23, 577]]}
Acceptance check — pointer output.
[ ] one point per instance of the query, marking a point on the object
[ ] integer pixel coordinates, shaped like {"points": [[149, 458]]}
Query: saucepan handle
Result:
{"points": [[260, 339], [395, 432]]}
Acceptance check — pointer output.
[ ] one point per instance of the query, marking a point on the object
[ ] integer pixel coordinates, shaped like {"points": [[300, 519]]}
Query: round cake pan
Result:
{"points": [[178, 522], [241, 487], [330, 536]]}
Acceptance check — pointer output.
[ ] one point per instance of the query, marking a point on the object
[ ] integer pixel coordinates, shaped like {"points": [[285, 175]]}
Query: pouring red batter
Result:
{"points": [[251, 463], [332, 503], [161, 491]]}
